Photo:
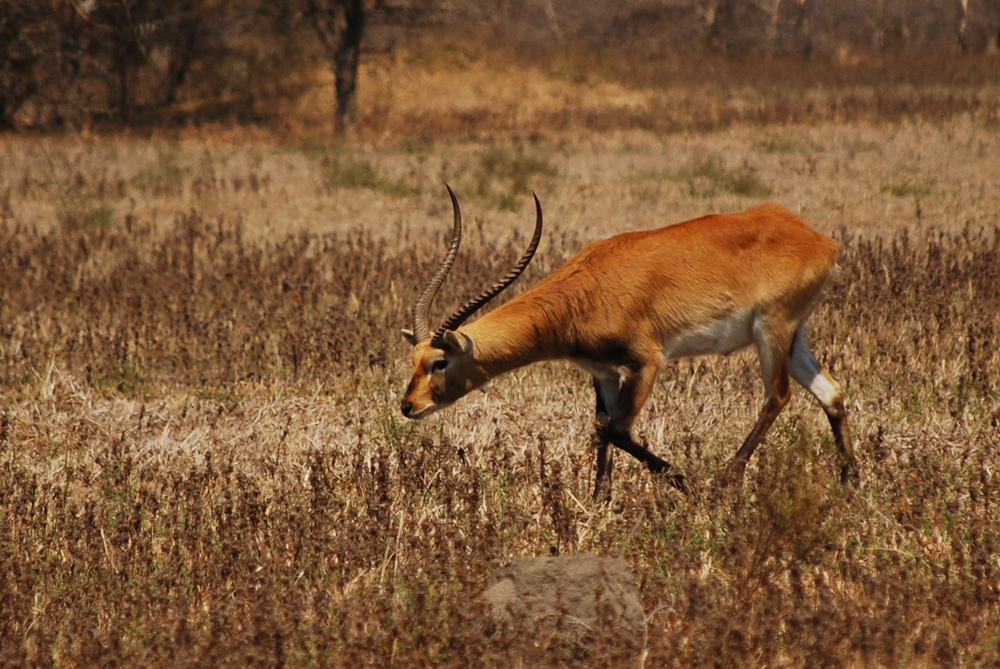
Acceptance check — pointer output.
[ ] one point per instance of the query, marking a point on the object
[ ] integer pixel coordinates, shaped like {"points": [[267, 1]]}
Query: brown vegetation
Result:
{"points": [[202, 461], [76, 64]]}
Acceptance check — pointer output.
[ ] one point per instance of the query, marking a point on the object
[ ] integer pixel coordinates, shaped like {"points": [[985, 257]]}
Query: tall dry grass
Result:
{"points": [[203, 464], [202, 461]]}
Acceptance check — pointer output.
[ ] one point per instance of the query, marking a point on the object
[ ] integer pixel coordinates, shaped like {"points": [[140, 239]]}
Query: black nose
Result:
{"points": [[407, 408]]}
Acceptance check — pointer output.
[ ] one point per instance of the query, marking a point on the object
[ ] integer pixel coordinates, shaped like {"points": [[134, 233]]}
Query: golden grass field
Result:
{"points": [[202, 460]]}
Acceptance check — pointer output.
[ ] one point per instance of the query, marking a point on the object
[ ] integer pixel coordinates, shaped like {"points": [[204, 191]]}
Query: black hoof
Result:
{"points": [[849, 474], [732, 477], [660, 467], [657, 466], [677, 481]]}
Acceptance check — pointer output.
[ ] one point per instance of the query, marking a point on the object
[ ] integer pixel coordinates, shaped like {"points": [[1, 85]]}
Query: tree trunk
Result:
{"points": [[346, 64], [340, 26]]}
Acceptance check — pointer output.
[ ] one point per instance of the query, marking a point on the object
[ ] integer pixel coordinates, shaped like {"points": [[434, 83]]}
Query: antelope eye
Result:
{"points": [[440, 365]]}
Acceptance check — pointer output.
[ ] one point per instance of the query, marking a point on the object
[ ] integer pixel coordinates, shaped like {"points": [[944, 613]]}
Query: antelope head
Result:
{"points": [[444, 363]]}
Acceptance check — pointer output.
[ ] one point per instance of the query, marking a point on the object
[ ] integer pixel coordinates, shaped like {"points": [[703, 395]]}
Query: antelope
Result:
{"points": [[623, 305]]}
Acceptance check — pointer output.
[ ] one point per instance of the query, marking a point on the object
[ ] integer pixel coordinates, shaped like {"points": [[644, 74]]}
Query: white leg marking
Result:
{"points": [[824, 389], [807, 372]]}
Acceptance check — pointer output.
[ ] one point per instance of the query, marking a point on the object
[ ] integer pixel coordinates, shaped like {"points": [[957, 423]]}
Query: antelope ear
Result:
{"points": [[459, 342], [409, 337]]}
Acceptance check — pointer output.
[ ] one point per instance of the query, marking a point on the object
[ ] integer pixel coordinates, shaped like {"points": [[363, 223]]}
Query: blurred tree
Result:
{"points": [[70, 61], [145, 50], [41, 44], [962, 27], [979, 25], [125, 29], [19, 52], [718, 15], [797, 35], [340, 26]]}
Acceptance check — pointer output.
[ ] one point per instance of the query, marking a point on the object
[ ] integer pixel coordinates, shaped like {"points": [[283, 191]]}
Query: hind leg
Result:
{"points": [[806, 370], [772, 348]]}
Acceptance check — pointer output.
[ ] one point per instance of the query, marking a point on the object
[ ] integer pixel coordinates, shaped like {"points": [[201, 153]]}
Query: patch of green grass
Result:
{"points": [[226, 397], [82, 214], [346, 168], [502, 175], [350, 172], [417, 145], [163, 178], [124, 378], [856, 146], [395, 433], [908, 188], [78, 208], [648, 194], [778, 144], [709, 176]]}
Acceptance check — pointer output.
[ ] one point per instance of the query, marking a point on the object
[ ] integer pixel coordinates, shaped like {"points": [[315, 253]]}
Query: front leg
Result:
{"points": [[605, 463], [606, 395], [654, 463], [619, 399]]}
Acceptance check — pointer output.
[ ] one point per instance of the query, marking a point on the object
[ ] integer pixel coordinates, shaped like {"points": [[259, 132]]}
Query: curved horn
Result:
{"points": [[421, 329], [476, 303]]}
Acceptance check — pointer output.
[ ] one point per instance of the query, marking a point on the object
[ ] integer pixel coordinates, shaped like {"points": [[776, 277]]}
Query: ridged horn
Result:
{"points": [[421, 328], [478, 302]]}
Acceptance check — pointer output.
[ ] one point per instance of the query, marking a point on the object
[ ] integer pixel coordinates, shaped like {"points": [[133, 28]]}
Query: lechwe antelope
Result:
{"points": [[618, 309]]}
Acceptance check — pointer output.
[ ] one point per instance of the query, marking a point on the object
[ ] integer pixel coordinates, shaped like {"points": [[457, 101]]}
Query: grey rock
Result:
{"points": [[565, 609]]}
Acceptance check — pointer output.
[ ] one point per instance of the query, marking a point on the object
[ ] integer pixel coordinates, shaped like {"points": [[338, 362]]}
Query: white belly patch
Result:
{"points": [[724, 336]]}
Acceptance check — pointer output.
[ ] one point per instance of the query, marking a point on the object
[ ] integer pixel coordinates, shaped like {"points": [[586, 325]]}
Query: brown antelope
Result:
{"points": [[623, 305]]}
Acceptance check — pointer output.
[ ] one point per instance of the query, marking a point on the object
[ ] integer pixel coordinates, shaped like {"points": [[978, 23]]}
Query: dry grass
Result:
{"points": [[202, 461]]}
